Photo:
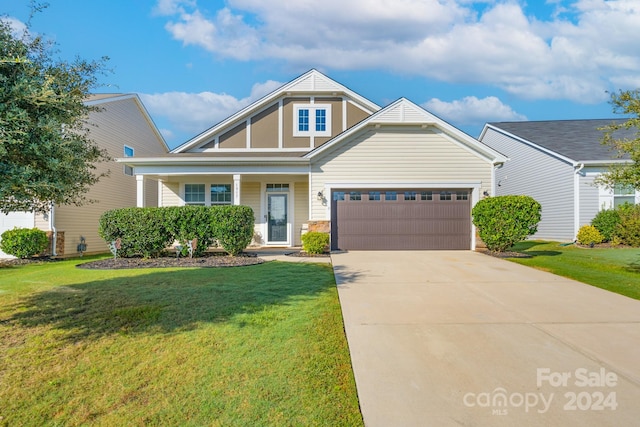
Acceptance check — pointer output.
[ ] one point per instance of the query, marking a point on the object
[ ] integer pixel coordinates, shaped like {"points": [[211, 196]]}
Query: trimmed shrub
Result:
{"points": [[315, 242], [188, 222], [589, 235], [503, 221], [24, 242], [606, 221], [142, 231], [629, 228], [233, 227]]}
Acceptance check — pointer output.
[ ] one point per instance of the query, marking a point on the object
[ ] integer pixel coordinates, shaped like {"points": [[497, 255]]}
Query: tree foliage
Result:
{"points": [[627, 174], [46, 154]]}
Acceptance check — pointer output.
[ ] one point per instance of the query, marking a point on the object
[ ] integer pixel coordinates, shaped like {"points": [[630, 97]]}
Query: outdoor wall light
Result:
{"points": [[320, 195]]}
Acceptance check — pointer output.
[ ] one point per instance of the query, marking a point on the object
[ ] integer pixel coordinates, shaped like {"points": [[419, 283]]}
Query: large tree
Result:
{"points": [[46, 154], [624, 138]]}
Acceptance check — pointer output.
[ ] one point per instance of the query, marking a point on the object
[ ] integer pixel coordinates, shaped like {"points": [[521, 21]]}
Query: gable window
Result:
{"points": [[623, 194], [220, 194], [194, 194], [128, 152], [312, 120]]}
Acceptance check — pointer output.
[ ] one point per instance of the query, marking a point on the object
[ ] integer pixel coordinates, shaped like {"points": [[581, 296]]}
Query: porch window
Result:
{"points": [[194, 194], [623, 194], [220, 194], [277, 188]]}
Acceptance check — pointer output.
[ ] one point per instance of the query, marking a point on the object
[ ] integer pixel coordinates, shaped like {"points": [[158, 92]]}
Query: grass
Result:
{"points": [[614, 269], [257, 345]]}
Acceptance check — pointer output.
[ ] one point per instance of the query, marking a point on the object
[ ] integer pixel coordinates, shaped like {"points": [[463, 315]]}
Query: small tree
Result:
{"points": [[46, 155], [624, 139], [503, 221]]}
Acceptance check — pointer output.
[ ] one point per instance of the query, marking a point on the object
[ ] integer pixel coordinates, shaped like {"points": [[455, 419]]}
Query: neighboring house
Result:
{"points": [[556, 162], [123, 128], [314, 155]]}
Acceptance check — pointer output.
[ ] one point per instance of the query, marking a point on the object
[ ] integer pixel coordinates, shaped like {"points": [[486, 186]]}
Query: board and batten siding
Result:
{"points": [[548, 179], [397, 155]]}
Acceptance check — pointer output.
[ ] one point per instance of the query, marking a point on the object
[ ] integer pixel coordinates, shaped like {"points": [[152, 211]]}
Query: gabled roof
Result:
{"points": [[311, 82], [578, 140], [405, 112]]}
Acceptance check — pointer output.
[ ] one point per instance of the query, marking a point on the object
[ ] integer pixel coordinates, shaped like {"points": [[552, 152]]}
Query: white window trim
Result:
{"points": [[312, 119], [207, 193]]}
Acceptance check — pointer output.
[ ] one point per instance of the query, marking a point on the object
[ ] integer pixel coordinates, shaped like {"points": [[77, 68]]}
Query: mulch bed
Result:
{"points": [[208, 260]]}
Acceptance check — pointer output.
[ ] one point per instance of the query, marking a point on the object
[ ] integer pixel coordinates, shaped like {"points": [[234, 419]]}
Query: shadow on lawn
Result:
{"points": [[162, 302], [525, 247]]}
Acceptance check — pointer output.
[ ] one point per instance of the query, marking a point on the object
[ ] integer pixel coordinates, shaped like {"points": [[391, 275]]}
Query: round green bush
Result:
{"points": [[629, 228], [503, 221], [588, 235], [315, 242], [606, 222], [24, 242]]}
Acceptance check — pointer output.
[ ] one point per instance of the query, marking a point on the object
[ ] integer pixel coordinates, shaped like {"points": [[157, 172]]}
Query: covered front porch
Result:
{"points": [[280, 202]]}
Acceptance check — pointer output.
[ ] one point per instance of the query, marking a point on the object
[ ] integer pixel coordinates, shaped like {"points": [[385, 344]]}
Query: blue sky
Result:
{"points": [[195, 62]]}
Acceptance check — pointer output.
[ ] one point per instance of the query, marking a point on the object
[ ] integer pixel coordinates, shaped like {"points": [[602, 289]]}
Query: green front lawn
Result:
{"points": [[613, 269], [257, 345]]}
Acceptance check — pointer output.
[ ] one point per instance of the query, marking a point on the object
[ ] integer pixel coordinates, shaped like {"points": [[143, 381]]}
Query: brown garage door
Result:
{"points": [[400, 219]]}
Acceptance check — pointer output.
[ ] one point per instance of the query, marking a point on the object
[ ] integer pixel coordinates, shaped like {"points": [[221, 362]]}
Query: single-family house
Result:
{"points": [[123, 127], [314, 155], [556, 163]]}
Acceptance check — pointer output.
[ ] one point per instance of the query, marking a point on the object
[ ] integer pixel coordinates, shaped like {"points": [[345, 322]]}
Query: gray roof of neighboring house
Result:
{"points": [[578, 140]]}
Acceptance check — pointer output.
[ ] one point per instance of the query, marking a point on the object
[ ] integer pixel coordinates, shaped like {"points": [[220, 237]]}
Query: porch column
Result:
{"points": [[160, 189], [140, 191], [236, 189]]}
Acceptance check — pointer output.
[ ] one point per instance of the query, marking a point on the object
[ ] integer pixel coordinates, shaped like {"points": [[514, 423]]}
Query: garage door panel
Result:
{"points": [[401, 224]]}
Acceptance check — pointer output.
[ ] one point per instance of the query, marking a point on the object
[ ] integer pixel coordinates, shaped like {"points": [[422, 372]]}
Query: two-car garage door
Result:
{"points": [[400, 219]]}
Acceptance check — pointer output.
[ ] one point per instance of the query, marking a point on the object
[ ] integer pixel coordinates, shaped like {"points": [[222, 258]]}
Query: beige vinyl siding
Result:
{"points": [[264, 128], [301, 210], [250, 196], [118, 123], [41, 222], [400, 155], [546, 178], [171, 194]]}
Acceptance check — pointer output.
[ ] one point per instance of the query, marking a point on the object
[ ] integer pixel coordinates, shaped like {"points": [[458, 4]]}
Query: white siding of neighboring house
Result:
{"points": [[547, 179], [397, 155], [12, 220]]}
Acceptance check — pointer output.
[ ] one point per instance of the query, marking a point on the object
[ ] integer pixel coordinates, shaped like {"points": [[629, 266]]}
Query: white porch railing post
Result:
{"points": [[140, 191]]}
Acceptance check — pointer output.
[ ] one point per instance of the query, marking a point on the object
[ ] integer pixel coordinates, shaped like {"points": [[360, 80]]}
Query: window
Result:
{"points": [[355, 195], [410, 195], [391, 195], [426, 195], [128, 152], [194, 194], [312, 120], [623, 194], [338, 195], [374, 195], [278, 188], [445, 195], [462, 196], [220, 194]]}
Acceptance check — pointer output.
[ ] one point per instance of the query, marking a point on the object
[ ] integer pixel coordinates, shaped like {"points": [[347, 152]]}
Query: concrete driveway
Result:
{"points": [[459, 338]]}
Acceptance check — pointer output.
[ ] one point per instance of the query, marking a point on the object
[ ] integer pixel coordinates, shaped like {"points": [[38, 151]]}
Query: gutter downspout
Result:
{"points": [[52, 227], [576, 189]]}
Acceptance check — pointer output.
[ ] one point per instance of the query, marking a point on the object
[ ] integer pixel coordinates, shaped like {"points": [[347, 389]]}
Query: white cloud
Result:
{"points": [[193, 113], [499, 44], [472, 111]]}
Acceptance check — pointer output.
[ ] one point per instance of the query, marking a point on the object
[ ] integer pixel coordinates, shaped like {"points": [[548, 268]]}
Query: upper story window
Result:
{"points": [[312, 120], [128, 152], [623, 194]]}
